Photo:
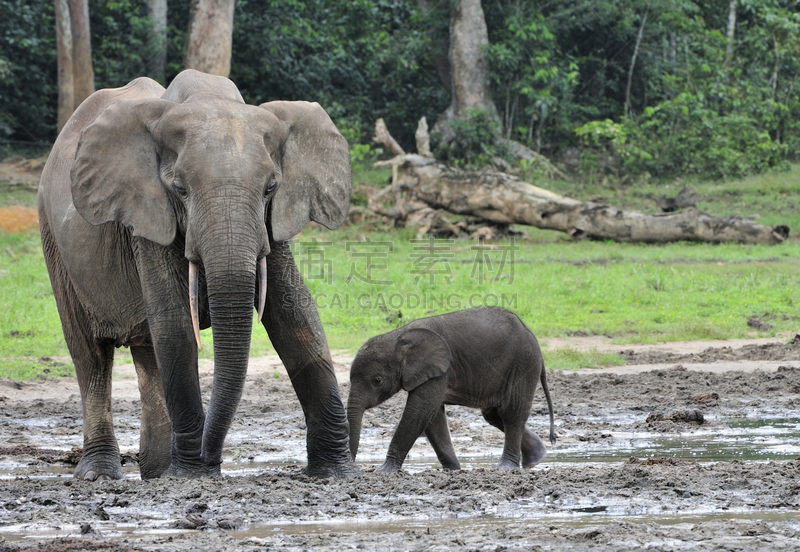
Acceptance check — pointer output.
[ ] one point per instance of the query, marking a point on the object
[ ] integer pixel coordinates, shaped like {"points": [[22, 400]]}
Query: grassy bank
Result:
{"points": [[367, 282]]}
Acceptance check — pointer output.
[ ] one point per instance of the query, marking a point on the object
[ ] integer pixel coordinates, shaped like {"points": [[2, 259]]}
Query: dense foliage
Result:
{"points": [[559, 73]]}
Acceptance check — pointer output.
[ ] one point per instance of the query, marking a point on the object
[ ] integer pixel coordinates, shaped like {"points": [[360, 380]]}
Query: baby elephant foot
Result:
{"points": [[99, 466], [506, 464], [533, 450], [529, 463]]}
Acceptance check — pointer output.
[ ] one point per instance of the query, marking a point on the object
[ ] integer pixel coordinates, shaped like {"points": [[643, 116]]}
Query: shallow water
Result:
{"points": [[734, 439]]}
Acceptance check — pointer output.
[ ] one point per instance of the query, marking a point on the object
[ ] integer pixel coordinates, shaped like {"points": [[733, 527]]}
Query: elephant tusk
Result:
{"points": [[262, 288], [193, 303]]}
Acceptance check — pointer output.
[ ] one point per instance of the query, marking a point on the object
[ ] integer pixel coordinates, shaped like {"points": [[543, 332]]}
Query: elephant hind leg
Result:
{"points": [[533, 449], [93, 359], [517, 437], [155, 437]]}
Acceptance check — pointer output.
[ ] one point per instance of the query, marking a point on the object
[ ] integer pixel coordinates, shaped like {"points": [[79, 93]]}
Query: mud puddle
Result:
{"points": [[665, 458], [721, 440]]}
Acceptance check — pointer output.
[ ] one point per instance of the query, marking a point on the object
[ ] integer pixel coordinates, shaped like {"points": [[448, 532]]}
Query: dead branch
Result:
{"points": [[382, 136]]}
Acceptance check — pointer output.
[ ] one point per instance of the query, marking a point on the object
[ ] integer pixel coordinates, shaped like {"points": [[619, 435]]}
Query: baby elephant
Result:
{"points": [[484, 358]]}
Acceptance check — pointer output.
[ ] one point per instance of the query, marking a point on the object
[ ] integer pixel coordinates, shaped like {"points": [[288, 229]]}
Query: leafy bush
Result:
{"points": [[689, 135], [474, 145], [28, 91]]}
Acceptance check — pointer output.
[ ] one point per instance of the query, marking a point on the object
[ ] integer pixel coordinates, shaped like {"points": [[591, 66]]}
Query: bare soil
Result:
{"points": [[593, 491]]}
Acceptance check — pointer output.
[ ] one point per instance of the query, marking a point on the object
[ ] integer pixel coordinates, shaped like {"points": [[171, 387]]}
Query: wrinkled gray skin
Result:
{"points": [[483, 358], [140, 182]]}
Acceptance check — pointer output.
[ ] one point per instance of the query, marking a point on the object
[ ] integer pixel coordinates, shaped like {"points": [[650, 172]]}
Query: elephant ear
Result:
{"points": [[317, 179], [115, 175], [422, 355]]}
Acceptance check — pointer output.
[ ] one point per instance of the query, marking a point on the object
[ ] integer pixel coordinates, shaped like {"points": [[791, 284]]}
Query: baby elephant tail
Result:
{"points": [[549, 406]]}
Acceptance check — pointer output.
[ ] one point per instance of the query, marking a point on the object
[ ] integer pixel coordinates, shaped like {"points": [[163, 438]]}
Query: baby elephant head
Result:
{"points": [[402, 359]]}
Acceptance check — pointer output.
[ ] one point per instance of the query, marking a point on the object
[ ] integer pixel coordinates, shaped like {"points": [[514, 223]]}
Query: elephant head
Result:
{"points": [[403, 359], [198, 168]]}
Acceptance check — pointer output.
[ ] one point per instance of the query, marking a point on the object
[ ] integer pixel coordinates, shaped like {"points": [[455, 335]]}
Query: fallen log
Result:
{"points": [[504, 199]]}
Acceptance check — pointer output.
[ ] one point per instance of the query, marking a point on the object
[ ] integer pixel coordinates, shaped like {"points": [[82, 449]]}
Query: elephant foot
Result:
{"points": [[99, 466], [192, 472], [529, 463], [388, 467], [344, 470], [150, 468], [533, 451], [506, 464]]}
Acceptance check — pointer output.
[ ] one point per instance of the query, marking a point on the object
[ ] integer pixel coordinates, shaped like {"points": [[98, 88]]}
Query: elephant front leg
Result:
{"points": [[163, 277], [101, 459], [292, 322], [155, 439], [419, 413], [438, 434]]}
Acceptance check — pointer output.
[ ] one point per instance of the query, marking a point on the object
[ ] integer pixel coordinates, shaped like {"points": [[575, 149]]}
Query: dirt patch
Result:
{"points": [[15, 219], [776, 351], [635, 498]]}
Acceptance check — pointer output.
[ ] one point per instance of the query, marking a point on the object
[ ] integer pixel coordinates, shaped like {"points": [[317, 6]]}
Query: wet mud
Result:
{"points": [[665, 458]]}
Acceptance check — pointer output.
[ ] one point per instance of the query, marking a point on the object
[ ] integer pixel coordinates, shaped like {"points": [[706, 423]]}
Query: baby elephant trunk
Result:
{"points": [[355, 414]]}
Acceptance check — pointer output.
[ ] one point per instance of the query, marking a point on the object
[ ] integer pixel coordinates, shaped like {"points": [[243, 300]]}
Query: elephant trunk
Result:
{"points": [[230, 257], [355, 415], [230, 298]]}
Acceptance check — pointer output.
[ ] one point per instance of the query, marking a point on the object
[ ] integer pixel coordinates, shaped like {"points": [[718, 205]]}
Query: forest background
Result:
{"points": [[630, 90], [631, 99]]}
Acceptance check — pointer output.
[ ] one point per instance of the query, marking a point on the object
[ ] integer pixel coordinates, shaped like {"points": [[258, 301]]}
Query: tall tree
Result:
{"points": [[74, 57], [81, 50], [210, 36], [731, 31], [157, 10], [66, 78], [633, 62], [469, 75]]}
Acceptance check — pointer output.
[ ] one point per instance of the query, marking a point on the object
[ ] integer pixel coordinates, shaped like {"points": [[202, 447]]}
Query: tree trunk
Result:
{"points": [[210, 37], [777, 66], [731, 32], [504, 199], [633, 63], [469, 74], [157, 10], [81, 50], [66, 82]]}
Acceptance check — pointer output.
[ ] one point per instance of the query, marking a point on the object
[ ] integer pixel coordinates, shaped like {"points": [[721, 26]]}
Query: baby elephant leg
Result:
{"points": [[533, 449], [513, 428], [438, 435], [517, 437]]}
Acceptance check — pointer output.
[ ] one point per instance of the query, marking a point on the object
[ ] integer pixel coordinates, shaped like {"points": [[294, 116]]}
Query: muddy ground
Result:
{"points": [[688, 446]]}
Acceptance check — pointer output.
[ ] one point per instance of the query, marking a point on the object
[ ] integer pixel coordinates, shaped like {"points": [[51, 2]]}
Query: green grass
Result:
{"points": [[632, 293], [569, 358]]}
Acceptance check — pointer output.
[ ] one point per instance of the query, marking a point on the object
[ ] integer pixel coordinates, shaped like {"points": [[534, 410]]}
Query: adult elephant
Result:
{"points": [[156, 208]]}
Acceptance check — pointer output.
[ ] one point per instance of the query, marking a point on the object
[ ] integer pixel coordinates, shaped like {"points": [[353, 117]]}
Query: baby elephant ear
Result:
{"points": [[115, 176], [317, 179], [422, 355]]}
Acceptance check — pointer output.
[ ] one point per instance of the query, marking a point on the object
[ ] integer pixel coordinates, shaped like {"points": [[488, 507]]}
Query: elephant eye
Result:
{"points": [[377, 381], [179, 188], [271, 185]]}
